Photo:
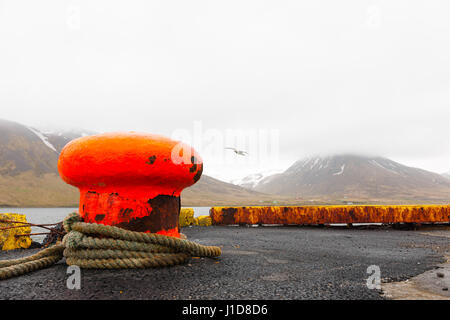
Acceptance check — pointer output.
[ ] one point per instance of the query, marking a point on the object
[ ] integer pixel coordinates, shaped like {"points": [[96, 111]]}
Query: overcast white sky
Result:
{"points": [[327, 76]]}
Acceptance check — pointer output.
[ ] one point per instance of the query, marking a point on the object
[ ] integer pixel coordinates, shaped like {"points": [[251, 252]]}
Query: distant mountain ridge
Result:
{"points": [[23, 149], [355, 177], [28, 169], [446, 175], [59, 139], [252, 180], [29, 177]]}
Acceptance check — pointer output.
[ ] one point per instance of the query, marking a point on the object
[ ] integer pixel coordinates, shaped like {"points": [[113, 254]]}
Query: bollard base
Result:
{"points": [[159, 214]]}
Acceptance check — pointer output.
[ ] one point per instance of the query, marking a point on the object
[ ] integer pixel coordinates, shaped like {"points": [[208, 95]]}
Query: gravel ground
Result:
{"points": [[256, 263]]}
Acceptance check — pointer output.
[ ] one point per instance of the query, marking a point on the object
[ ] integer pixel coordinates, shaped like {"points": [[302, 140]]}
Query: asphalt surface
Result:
{"points": [[257, 263]]}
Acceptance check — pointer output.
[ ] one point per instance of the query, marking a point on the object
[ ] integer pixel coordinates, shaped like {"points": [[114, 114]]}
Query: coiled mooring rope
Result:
{"points": [[97, 246]]}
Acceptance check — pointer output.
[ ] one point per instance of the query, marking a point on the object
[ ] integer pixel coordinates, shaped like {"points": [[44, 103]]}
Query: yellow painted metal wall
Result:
{"points": [[187, 218], [329, 214], [204, 221], [8, 239]]}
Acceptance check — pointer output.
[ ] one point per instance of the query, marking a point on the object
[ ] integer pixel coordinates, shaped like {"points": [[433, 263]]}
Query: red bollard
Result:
{"points": [[130, 180]]}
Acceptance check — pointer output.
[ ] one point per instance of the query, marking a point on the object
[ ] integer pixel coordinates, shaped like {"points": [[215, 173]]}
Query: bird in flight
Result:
{"points": [[239, 152]]}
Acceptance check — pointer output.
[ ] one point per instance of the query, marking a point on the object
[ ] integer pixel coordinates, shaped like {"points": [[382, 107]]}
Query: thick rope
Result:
{"points": [[96, 246]]}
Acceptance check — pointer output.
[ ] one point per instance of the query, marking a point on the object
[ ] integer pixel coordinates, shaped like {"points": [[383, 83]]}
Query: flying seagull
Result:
{"points": [[239, 152]]}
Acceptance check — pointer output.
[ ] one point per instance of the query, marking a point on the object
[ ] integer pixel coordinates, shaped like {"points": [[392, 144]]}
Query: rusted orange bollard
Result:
{"points": [[130, 180]]}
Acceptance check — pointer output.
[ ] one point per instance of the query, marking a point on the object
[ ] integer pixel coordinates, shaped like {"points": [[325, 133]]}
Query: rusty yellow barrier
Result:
{"points": [[8, 239], [330, 214], [186, 217], [204, 221]]}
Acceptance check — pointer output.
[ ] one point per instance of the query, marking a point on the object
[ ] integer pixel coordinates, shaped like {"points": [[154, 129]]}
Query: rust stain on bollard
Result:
{"points": [[130, 180], [330, 214]]}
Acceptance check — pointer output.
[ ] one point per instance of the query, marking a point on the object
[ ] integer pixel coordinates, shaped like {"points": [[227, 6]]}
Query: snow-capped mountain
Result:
{"points": [[356, 177], [252, 180], [446, 175], [28, 174], [43, 138], [58, 139], [55, 140]]}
